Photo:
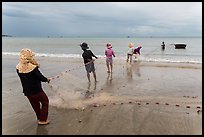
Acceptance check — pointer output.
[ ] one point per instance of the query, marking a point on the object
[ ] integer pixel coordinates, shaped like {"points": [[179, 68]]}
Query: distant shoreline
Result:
{"points": [[7, 36]]}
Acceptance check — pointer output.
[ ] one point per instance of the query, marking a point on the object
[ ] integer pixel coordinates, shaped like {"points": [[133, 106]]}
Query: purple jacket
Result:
{"points": [[137, 50]]}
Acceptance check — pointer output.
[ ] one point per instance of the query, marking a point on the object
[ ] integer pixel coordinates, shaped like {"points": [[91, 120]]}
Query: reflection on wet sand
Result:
{"points": [[129, 71], [90, 93], [136, 66], [109, 79], [41, 130]]}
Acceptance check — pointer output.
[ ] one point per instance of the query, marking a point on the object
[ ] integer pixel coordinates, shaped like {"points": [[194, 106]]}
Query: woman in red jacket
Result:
{"points": [[31, 78]]}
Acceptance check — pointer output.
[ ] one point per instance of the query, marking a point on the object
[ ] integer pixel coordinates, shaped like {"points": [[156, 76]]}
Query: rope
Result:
{"points": [[61, 74], [151, 51], [57, 76]]}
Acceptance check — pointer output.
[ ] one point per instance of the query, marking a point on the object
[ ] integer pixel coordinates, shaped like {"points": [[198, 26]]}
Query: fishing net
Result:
{"points": [[67, 91], [71, 91]]}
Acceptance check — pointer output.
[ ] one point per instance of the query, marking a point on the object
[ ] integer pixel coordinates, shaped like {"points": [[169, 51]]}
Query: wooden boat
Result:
{"points": [[180, 45]]}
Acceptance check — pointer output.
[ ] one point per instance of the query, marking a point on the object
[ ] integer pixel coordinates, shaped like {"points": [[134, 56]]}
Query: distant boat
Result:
{"points": [[180, 45]]}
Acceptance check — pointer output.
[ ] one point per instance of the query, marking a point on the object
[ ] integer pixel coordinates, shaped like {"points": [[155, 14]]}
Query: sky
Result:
{"points": [[101, 19]]}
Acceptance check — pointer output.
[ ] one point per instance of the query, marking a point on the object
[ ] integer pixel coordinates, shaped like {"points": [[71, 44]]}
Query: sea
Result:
{"points": [[69, 47]]}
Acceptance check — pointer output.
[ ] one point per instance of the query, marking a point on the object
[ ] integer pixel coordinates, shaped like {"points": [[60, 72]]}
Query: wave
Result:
{"points": [[167, 59]]}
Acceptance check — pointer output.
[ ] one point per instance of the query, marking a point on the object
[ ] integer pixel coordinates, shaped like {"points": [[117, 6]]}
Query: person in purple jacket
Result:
{"points": [[137, 51], [109, 60], [31, 78]]}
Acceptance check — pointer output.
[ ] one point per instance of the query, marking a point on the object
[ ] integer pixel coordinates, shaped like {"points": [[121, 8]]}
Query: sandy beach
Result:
{"points": [[142, 98]]}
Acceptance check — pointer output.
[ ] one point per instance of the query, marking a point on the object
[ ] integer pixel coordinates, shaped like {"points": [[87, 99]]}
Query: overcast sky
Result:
{"points": [[102, 18]]}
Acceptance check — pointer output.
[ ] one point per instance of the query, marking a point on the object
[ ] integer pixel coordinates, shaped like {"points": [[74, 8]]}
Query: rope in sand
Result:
{"points": [[146, 103]]}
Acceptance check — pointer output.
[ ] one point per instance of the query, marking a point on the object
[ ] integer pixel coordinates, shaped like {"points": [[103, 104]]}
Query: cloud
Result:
{"points": [[102, 18]]}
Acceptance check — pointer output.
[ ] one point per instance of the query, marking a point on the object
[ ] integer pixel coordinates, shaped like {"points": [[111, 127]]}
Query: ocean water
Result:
{"points": [[69, 47]]}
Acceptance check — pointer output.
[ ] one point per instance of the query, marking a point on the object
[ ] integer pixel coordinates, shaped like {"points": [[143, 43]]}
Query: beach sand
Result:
{"points": [[142, 98]]}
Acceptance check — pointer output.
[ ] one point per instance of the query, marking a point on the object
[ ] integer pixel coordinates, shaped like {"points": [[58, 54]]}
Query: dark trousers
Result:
{"points": [[40, 104]]}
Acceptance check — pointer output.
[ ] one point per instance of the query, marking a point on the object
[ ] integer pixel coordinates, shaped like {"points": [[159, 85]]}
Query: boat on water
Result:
{"points": [[180, 45]]}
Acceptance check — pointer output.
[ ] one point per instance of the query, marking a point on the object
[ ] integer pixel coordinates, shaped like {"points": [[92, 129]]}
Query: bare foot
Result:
{"points": [[96, 81]]}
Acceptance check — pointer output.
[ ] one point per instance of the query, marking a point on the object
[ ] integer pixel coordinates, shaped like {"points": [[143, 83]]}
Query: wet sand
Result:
{"points": [[142, 98]]}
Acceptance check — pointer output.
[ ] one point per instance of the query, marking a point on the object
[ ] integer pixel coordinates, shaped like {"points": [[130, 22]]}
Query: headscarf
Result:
{"points": [[26, 61], [131, 45]]}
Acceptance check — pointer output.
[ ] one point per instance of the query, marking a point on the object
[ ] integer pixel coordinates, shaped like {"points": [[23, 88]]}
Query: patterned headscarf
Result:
{"points": [[26, 61]]}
